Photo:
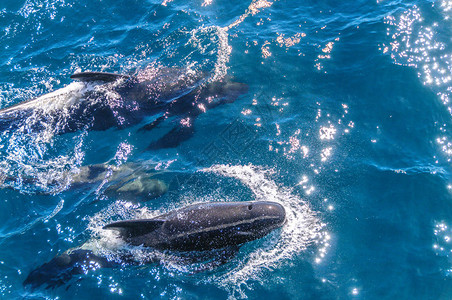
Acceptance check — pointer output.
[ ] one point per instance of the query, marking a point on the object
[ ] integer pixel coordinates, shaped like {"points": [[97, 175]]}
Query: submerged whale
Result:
{"points": [[214, 228], [99, 101], [129, 181]]}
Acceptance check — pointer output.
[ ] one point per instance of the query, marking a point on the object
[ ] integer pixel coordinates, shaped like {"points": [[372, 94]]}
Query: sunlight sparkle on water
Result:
{"points": [[302, 227], [418, 43], [322, 251], [289, 41], [327, 133], [294, 144], [303, 180], [442, 244], [246, 112], [326, 153], [124, 150]]}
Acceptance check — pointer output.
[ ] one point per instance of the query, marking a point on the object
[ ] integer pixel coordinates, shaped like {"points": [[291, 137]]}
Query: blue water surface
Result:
{"points": [[345, 122]]}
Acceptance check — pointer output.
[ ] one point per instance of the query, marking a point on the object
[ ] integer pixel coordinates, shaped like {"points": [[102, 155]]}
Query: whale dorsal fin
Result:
{"points": [[98, 76], [132, 228]]}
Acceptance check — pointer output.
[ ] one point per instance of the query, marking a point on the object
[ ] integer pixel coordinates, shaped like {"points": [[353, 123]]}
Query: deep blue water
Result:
{"points": [[345, 122]]}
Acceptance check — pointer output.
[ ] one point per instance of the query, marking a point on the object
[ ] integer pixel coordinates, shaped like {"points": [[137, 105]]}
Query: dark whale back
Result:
{"points": [[61, 268], [204, 226], [217, 227], [120, 101]]}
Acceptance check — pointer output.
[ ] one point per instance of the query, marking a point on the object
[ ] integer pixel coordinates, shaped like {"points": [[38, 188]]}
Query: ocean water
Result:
{"points": [[346, 122]]}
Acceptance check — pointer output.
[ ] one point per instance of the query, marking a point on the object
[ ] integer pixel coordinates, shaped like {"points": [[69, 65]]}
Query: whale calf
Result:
{"points": [[99, 101], [217, 229]]}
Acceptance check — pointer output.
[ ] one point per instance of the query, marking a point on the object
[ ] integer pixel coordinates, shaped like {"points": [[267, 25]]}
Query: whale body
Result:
{"points": [[217, 228], [99, 101], [204, 226]]}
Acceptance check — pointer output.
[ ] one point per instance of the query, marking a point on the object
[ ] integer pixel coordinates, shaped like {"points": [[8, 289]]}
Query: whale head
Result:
{"points": [[246, 219]]}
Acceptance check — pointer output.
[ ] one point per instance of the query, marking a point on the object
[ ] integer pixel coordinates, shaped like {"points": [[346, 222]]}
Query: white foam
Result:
{"points": [[219, 37], [302, 228], [56, 100], [26, 156], [107, 242], [29, 150]]}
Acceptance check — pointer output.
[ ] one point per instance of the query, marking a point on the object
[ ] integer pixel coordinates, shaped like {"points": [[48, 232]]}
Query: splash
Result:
{"points": [[206, 3], [30, 166], [37, 157], [31, 162], [106, 242], [219, 36], [302, 228], [206, 39], [255, 7]]}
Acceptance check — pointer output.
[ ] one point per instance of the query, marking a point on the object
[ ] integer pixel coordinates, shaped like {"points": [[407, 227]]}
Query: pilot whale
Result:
{"points": [[216, 228], [134, 182], [99, 101], [203, 226], [129, 181]]}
